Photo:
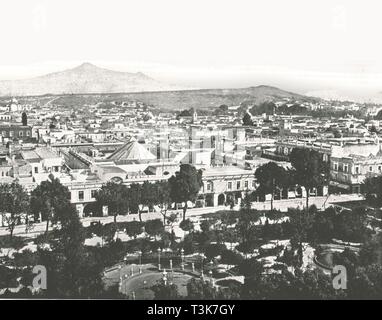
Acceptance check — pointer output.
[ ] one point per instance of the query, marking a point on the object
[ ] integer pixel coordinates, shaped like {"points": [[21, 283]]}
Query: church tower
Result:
{"points": [[194, 116]]}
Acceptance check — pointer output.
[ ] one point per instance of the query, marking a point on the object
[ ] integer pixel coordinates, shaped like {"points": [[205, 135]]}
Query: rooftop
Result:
{"points": [[226, 170], [132, 151]]}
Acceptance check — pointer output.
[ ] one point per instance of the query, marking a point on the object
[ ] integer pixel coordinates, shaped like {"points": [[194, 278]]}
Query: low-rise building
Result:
{"points": [[349, 172], [15, 131]]}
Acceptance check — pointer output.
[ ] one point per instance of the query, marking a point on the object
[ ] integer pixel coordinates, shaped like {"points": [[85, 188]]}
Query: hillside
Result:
{"points": [[213, 98], [208, 99]]}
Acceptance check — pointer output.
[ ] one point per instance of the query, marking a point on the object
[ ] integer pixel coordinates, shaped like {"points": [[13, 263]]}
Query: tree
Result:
{"points": [[134, 198], [352, 225], [72, 270], [223, 109], [134, 228], [14, 204], [163, 197], [247, 119], [373, 129], [301, 225], [231, 258], [149, 194], [323, 226], [154, 227], [371, 251], [185, 113], [205, 225], [366, 283], [200, 290], [372, 188], [47, 199], [267, 107], [270, 176], [24, 119], [108, 232], [310, 171], [213, 250], [251, 268], [245, 228], [165, 292], [185, 185], [115, 196], [186, 225]]}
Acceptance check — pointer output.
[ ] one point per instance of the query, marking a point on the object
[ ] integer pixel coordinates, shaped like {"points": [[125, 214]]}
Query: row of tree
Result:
{"points": [[46, 200], [308, 170], [184, 186]]}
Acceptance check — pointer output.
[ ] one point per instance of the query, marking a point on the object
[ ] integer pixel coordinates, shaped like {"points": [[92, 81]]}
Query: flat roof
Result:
{"points": [[45, 153], [227, 170], [39, 153]]}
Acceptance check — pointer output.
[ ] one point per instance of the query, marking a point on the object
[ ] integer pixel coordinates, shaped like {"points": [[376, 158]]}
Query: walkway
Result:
{"points": [[282, 205]]}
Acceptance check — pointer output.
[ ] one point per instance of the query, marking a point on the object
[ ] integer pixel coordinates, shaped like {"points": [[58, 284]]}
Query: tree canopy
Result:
{"points": [[185, 185]]}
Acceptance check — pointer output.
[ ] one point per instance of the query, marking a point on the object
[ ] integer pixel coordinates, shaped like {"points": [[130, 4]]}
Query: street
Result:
{"points": [[282, 205]]}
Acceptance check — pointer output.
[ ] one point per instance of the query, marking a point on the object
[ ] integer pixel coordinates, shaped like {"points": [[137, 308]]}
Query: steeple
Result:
{"points": [[194, 116]]}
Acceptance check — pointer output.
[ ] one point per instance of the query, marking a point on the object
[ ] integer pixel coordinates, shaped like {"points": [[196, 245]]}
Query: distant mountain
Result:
{"points": [[347, 95], [213, 98], [84, 79]]}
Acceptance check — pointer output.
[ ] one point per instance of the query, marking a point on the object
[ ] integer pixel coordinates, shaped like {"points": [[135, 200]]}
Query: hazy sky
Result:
{"points": [[299, 45]]}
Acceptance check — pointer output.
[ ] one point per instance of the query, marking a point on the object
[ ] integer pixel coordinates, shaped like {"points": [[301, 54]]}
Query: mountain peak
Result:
{"points": [[86, 66], [85, 78]]}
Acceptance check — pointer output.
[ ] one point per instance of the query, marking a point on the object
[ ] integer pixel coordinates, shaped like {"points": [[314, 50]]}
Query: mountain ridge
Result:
{"points": [[83, 79], [89, 79], [193, 98]]}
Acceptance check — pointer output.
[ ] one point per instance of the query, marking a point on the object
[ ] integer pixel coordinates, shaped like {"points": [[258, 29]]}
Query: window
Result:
{"points": [[209, 186], [80, 195], [335, 166], [238, 185], [357, 170], [20, 133], [229, 185], [93, 193], [370, 168], [35, 170], [345, 168], [246, 184], [379, 168], [28, 133], [11, 133], [253, 183]]}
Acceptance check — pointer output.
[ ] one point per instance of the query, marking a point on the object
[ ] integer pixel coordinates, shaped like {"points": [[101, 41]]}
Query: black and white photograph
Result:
{"points": [[172, 151]]}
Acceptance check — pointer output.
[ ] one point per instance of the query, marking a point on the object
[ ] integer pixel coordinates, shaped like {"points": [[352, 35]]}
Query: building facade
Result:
{"points": [[15, 131], [348, 173]]}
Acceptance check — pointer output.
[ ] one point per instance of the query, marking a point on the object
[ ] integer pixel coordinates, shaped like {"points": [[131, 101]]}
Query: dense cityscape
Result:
{"points": [[120, 199], [190, 158]]}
